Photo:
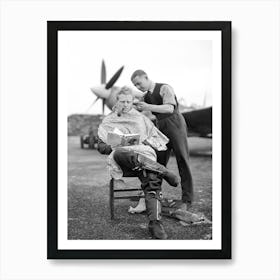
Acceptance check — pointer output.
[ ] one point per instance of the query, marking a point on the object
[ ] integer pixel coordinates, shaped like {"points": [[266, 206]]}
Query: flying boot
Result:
{"points": [[166, 174], [153, 206], [137, 162], [153, 196]]}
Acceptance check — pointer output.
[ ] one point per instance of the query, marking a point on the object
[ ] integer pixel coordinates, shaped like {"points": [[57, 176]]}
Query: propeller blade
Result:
{"points": [[92, 103], [114, 78], [103, 73], [103, 106]]}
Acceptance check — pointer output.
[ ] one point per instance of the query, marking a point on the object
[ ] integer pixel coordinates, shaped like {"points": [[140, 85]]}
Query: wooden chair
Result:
{"points": [[113, 191]]}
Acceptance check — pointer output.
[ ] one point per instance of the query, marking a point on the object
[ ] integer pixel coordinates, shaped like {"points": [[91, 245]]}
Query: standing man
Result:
{"points": [[160, 99]]}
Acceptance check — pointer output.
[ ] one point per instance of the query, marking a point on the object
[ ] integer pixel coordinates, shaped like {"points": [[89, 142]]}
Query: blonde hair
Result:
{"points": [[124, 90]]}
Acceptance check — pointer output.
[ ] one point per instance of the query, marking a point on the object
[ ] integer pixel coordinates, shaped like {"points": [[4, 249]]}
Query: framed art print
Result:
{"points": [[92, 212]]}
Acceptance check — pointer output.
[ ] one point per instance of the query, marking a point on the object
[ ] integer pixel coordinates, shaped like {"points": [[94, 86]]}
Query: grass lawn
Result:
{"points": [[88, 200]]}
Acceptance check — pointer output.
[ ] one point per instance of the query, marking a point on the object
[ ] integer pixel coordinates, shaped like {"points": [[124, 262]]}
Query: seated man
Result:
{"points": [[137, 159]]}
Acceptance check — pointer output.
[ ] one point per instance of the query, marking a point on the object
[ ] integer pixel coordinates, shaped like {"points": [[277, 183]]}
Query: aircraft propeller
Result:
{"points": [[103, 73], [104, 91], [114, 78], [92, 103]]}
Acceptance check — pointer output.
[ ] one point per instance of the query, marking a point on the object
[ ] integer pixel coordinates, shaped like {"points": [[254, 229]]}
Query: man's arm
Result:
{"points": [[103, 148], [168, 95], [164, 109]]}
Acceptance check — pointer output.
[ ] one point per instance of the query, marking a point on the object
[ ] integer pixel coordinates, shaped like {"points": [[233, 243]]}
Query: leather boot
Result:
{"points": [[157, 230], [166, 174], [153, 206]]}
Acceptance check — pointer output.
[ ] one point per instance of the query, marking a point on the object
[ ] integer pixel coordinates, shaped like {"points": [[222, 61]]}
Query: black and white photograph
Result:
{"points": [[139, 140], [139, 137]]}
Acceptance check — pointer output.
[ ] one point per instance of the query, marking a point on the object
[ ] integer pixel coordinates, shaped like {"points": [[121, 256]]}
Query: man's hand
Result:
{"points": [[117, 108], [142, 106], [103, 148]]}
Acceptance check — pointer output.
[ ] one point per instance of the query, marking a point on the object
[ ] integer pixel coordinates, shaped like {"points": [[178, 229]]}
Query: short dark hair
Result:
{"points": [[138, 72]]}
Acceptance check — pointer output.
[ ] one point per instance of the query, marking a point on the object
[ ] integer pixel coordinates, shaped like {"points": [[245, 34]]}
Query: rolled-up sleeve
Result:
{"points": [[168, 95]]}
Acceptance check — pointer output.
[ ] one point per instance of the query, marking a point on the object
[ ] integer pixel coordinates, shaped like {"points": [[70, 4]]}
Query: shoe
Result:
{"points": [[154, 166], [157, 230]]}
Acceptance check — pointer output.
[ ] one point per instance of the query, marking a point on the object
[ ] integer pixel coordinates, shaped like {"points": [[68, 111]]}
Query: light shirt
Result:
{"points": [[167, 93]]}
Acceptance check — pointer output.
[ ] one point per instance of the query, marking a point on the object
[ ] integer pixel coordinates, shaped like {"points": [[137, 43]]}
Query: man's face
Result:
{"points": [[141, 82], [125, 102]]}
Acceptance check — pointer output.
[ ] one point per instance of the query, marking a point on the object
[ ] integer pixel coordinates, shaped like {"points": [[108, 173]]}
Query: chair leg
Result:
{"points": [[111, 199]]}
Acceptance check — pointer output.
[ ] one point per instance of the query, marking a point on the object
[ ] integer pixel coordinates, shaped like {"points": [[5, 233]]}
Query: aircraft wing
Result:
{"points": [[199, 122]]}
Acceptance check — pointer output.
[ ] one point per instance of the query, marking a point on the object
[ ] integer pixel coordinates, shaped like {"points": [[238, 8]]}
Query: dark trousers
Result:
{"points": [[175, 128], [150, 181]]}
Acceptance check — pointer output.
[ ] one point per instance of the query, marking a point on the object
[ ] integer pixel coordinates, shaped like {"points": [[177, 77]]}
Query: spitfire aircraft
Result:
{"points": [[199, 121]]}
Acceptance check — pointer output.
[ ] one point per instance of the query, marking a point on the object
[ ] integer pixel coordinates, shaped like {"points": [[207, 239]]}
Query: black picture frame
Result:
{"points": [[52, 87]]}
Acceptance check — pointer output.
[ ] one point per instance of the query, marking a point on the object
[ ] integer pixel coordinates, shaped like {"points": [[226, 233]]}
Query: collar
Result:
{"points": [[151, 89]]}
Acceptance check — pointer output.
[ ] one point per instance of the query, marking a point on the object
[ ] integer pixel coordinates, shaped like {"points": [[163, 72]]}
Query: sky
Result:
{"points": [[182, 59]]}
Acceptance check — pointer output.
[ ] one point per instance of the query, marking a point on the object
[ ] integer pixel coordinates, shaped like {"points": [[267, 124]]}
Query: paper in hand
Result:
{"points": [[117, 138]]}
